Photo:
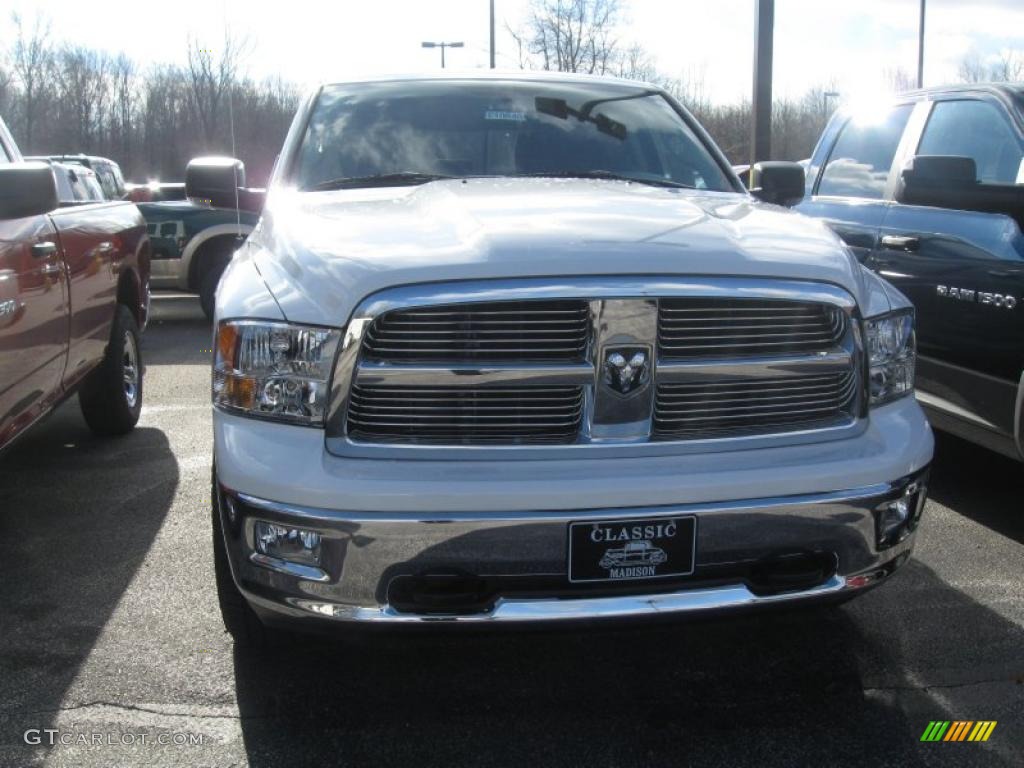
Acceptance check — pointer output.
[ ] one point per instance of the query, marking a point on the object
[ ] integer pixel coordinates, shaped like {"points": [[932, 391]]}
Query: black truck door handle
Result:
{"points": [[901, 243]]}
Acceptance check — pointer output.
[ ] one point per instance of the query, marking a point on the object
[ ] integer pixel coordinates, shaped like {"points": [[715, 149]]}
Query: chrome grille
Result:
{"points": [[533, 361], [517, 331], [465, 415], [700, 327], [752, 405]]}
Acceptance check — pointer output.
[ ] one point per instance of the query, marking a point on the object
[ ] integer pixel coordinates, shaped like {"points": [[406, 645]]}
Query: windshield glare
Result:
{"points": [[467, 128]]}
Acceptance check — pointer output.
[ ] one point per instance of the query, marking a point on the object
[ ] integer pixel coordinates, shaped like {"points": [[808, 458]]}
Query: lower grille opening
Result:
{"points": [[441, 594], [791, 573], [458, 415]]}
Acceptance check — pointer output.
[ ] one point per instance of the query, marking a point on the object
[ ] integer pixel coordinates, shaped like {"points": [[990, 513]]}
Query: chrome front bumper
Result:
{"points": [[364, 554]]}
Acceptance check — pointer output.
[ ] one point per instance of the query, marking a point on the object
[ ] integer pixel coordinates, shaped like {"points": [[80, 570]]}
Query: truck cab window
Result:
{"points": [[976, 129], [861, 158]]}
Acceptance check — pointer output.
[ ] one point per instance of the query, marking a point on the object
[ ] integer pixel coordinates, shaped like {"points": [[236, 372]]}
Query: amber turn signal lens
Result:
{"points": [[227, 344], [240, 391]]}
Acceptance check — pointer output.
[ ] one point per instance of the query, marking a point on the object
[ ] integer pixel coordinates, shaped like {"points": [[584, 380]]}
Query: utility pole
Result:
{"points": [[764, 34], [492, 34], [920, 49], [442, 46]]}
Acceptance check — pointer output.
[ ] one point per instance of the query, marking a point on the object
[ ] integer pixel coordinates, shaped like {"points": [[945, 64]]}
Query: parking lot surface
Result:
{"points": [[109, 625]]}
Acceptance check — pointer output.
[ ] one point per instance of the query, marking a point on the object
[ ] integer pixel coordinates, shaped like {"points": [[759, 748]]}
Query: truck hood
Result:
{"points": [[322, 253]]}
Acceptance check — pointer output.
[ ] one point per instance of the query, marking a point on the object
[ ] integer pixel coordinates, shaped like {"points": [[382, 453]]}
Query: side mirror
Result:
{"points": [[27, 189], [743, 171], [949, 181], [214, 180], [937, 180], [777, 182]]}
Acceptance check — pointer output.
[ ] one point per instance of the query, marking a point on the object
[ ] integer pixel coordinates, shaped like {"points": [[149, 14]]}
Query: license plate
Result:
{"points": [[626, 550]]}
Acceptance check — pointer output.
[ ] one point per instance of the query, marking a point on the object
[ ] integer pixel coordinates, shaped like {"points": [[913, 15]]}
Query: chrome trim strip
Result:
{"points": [[299, 571], [313, 516], [547, 609], [680, 371], [603, 287], [486, 375], [596, 289]]}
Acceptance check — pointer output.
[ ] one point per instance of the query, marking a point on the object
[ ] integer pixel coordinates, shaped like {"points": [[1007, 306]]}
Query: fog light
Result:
{"points": [[894, 515], [296, 545], [894, 520]]}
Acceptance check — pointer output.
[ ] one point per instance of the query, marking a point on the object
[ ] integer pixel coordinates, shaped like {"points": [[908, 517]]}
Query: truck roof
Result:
{"points": [[498, 74], [1013, 90]]}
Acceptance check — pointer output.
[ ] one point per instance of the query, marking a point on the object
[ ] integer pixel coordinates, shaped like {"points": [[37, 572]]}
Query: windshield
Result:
{"points": [[422, 129]]}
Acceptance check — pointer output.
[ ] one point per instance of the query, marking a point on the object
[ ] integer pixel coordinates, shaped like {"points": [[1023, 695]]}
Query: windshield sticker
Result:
{"points": [[497, 114]]}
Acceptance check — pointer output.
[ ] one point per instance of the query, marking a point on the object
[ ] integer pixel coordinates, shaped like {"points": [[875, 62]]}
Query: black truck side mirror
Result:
{"points": [[951, 181], [778, 182], [214, 180], [27, 189], [936, 180]]}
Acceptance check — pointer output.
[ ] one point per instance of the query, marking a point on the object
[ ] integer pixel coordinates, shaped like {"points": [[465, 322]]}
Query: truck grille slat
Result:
{"points": [[492, 332], [446, 414], [689, 328], [718, 407]]}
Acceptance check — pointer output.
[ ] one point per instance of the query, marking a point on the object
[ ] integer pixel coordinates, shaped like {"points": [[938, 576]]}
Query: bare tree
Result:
{"points": [[211, 75], [972, 70], [122, 105], [1008, 66], [572, 35], [635, 63], [80, 75], [899, 79], [6, 89], [32, 60]]}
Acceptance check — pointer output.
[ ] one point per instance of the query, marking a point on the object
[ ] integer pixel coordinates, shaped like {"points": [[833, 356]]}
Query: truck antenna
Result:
{"points": [[231, 128]]}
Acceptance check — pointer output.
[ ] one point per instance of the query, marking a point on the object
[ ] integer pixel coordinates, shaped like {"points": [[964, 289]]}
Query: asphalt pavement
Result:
{"points": [[111, 645]]}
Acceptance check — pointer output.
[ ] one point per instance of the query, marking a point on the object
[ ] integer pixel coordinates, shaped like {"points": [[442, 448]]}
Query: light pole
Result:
{"points": [[442, 46], [920, 49], [492, 34], [761, 104]]}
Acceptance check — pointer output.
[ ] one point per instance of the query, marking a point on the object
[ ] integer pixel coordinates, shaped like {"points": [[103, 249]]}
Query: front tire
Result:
{"points": [[111, 397]]}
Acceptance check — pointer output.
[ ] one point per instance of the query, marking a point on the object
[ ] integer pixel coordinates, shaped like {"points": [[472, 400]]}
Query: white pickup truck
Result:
{"points": [[493, 330]]}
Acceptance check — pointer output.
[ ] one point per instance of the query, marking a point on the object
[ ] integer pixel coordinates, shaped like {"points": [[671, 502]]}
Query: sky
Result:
{"points": [[848, 45]]}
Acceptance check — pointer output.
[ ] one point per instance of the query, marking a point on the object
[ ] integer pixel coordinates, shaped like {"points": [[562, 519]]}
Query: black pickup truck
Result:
{"points": [[928, 191]]}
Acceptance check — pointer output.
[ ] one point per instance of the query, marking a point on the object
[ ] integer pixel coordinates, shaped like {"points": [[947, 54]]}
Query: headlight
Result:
{"points": [[891, 353], [274, 371]]}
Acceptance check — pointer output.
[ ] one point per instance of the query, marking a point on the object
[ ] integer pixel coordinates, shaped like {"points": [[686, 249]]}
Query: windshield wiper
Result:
{"points": [[378, 180], [610, 175]]}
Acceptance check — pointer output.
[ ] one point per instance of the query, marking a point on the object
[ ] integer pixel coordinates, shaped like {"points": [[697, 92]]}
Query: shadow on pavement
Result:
{"points": [[964, 474], [78, 514], [823, 686]]}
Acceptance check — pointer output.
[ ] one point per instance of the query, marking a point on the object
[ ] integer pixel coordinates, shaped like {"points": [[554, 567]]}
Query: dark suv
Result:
{"points": [[929, 192]]}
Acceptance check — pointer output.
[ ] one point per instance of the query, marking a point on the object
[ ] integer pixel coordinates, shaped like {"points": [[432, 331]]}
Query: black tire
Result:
{"points": [[111, 397], [208, 285], [240, 620]]}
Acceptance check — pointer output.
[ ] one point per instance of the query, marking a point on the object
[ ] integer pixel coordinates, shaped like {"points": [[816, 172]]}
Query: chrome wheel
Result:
{"points": [[130, 369]]}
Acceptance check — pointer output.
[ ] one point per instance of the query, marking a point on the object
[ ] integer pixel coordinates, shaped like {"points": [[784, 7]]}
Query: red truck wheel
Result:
{"points": [[111, 398]]}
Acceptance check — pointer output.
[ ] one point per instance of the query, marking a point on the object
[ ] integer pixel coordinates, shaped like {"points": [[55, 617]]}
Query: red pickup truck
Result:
{"points": [[74, 296]]}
